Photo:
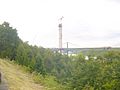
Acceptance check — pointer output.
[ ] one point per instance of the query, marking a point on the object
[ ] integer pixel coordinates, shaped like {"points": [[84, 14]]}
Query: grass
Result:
{"points": [[49, 81], [17, 78]]}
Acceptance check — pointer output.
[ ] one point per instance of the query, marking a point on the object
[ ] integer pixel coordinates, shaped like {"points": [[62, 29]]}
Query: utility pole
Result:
{"points": [[60, 34], [67, 48]]}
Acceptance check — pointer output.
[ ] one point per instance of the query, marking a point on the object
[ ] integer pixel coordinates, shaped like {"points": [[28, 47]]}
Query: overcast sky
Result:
{"points": [[86, 23]]}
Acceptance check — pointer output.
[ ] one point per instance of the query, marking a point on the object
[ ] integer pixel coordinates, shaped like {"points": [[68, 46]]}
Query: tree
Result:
{"points": [[9, 41], [39, 65]]}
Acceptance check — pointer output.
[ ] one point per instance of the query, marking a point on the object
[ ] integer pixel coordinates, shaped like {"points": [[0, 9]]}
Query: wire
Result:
{"points": [[72, 44]]}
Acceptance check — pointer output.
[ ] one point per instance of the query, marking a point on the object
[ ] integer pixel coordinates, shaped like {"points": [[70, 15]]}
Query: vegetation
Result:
{"points": [[60, 71], [16, 77], [99, 74]]}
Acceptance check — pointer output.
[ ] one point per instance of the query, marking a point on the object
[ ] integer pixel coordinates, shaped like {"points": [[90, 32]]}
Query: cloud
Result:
{"points": [[86, 22], [117, 1], [114, 35]]}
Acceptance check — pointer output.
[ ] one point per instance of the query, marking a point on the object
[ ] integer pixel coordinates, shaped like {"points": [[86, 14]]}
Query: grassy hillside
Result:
{"points": [[17, 78]]}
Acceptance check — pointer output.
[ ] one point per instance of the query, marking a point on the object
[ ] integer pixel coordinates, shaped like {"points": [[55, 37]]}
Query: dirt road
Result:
{"points": [[3, 84]]}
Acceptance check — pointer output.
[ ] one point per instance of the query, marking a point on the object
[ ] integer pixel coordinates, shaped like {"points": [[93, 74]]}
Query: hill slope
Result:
{"points": [[16, 78]]}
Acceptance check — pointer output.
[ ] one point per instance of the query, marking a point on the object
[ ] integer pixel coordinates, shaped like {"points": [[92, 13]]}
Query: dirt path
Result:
{"points": [[17, 79], [3, 84]]}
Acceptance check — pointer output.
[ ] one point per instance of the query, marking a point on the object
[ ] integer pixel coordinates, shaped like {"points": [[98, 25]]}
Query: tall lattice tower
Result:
{"points": [[60, 34]]}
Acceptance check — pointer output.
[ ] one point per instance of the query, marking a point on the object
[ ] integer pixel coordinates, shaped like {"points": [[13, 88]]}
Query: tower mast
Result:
{"points": [[60, 34]]}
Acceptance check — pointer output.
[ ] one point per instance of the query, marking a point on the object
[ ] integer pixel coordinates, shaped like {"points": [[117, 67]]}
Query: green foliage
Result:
{"points": [[100, 74], [9, 41], [60, 71], [49, 82], [39, 66]]}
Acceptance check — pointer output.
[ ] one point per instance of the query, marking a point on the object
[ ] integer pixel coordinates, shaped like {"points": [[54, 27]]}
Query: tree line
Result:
{"points": [[75, 73]]}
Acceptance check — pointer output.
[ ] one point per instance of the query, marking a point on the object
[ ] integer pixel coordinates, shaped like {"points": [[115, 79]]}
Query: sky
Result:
{"points": [[86, 23]]}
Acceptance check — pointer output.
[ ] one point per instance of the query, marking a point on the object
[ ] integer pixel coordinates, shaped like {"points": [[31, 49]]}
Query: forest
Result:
{"points": [[72, 72]]}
